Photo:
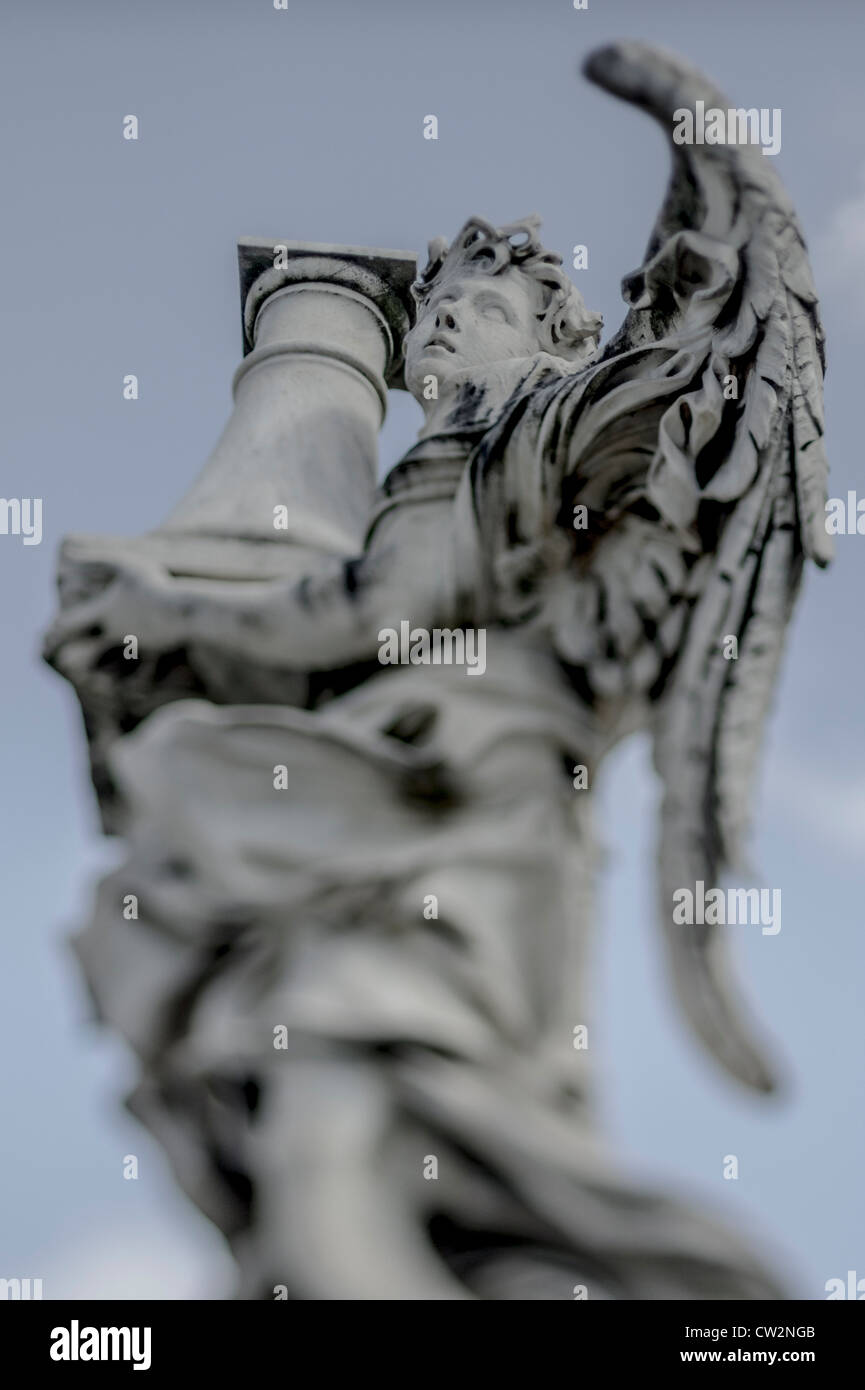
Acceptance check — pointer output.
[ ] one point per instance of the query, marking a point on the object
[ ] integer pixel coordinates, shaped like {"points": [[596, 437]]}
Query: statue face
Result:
{"points": [[472, 321]]}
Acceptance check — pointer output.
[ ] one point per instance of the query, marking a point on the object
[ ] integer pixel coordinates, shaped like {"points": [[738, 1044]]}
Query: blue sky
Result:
{"points": [[120, 257]]}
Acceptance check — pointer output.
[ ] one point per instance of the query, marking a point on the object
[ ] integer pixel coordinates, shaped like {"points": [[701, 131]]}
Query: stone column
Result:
{"points": [[323, 330]]}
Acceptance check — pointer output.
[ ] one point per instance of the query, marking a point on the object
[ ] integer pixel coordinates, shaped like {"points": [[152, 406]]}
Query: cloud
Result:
{"points": [[839, 251], [830, 810], [135, 1261]]}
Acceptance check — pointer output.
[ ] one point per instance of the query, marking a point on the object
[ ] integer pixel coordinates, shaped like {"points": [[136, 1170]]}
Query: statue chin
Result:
{"points": [[442, 383], [444, 368]]}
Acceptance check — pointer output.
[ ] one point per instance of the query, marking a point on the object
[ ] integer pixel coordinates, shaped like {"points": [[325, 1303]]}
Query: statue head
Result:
{"points": [[494, 295]]}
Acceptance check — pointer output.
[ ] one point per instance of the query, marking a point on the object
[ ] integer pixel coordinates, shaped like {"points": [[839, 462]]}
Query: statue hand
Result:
{"points": [[136, 600]]}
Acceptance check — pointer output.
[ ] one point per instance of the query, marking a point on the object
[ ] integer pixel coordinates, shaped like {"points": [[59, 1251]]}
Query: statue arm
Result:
{"points": [[328, 617], [325, 616]]}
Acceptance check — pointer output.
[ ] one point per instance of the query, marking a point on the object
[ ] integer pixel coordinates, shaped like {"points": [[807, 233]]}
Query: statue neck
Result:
{"points": [[475, 400]]}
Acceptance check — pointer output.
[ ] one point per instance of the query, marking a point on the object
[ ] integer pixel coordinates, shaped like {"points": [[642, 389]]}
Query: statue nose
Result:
{"points": [[445, 319]]}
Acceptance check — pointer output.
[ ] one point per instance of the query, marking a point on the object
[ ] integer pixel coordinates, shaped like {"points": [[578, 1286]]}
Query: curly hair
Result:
{"points": [[566, 328]]}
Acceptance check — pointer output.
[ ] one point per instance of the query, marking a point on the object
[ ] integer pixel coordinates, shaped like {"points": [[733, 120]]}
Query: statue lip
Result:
{"points": [[440, 343]]}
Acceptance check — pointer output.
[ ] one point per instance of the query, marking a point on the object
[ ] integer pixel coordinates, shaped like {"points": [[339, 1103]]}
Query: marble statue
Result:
{"points": [[348, 943]]}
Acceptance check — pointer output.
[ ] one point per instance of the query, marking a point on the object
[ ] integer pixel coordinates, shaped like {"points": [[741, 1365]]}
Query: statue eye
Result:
{"points": [[494, 311]]}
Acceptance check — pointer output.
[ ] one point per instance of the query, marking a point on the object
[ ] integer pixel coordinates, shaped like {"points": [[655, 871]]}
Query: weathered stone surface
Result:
{"points": [[293, 808]]}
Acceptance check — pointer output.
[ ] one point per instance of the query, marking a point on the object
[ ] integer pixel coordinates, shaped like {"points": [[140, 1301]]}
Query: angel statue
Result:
{"points": [[348, 942]]}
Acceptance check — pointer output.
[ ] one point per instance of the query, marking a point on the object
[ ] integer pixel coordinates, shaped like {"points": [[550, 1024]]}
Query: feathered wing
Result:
{"points": [[738, 460]]}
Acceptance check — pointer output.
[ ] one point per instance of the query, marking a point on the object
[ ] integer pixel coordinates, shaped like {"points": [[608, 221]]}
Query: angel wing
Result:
{"points": [[737, 460], [694, 444]]}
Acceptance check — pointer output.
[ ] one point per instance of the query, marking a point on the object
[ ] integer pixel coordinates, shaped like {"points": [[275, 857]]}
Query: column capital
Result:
{"points": [[382, 277]]}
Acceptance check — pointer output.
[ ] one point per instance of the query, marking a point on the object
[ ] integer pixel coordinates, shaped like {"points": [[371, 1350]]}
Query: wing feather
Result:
{"points": [[726, 260]]}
